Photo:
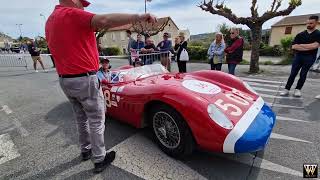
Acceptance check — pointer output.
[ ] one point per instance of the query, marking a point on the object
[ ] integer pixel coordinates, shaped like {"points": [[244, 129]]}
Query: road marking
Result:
{"points": [[284, 106], [280, 118], [278, 97], [264, 89], [261, 80], [264, 85], [288, 138], [141, 157], [15, 121], [6, 109], [261, 163], [7, 149]]}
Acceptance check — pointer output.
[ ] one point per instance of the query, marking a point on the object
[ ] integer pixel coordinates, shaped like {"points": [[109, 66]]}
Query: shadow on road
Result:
{"points": [[225, 166], [62, 117], [313, 110], [48, 174]]}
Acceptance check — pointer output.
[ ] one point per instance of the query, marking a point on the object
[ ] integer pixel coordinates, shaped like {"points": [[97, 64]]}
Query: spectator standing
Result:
{"points": [[306, 46], [234, 50], [165, 46], [71, 39], [131, 43], [35, 55], [182, 65], [176, 47], [139, 44], [216, 52], [148, 48]]}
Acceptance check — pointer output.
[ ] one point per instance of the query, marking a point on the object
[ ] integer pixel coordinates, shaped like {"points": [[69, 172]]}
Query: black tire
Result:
{"points": [[187, 143]]}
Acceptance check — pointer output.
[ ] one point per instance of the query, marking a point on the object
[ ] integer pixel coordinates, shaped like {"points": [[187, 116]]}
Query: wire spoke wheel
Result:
{"points": [[166, 130]]}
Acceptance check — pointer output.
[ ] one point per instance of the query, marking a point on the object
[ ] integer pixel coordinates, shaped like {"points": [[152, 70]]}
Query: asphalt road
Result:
{"points": [[38, 138]]}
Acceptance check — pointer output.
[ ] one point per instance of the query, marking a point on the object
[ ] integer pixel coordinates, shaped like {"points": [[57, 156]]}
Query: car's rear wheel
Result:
{"points": [[171, 132]]}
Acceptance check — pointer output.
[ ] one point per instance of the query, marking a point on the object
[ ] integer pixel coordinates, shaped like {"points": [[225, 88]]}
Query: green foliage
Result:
{"points": [[42, 43], [197, 52], [112, 51], [270, 51], [244, 62], [286, 42], [295, 2], [288, 52], [268, 63]]}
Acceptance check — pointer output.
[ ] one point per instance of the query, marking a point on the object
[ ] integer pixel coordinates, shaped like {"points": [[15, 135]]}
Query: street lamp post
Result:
{"points": [[19, 26], [44, 17]]}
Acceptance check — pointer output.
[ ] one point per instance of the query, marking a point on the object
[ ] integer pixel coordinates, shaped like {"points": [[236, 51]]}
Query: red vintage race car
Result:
{"points": [[207, 109]]}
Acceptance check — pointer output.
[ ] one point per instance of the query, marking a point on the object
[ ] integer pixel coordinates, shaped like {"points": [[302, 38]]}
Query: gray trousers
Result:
{"points": [[87, 101]]}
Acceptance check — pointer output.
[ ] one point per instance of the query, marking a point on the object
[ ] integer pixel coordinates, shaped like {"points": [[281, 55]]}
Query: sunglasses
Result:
{"points": [[233, 33]]}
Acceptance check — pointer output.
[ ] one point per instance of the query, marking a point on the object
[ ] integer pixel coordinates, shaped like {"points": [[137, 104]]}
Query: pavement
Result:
{"points": [[38, 137]]}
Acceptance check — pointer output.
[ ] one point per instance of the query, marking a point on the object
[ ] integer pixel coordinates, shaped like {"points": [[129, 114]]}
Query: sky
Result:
{"points": [[185, 13]]}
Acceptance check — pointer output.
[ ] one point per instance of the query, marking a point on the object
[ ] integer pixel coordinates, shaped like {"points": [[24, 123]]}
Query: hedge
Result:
{"points": [[197, 52], [112, 51], [271, 51]]}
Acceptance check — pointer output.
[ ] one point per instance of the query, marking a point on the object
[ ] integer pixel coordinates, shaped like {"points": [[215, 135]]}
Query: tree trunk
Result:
{"points": [[256, 40]]}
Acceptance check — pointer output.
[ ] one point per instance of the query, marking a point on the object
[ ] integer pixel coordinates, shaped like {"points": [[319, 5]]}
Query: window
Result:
{"points": [[288, 30], [113, 36], [123, 36]]}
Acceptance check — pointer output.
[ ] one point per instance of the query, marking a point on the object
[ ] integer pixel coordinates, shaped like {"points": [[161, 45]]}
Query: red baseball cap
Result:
{"points": [[85, 3]]}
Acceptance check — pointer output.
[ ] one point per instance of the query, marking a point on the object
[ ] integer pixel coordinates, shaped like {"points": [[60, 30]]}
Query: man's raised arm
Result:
{"points": [[106, 21]]}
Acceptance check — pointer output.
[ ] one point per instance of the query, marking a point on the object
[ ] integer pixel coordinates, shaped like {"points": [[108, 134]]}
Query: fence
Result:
{"points": [[21, 60], [13, 60], [145, 58]]}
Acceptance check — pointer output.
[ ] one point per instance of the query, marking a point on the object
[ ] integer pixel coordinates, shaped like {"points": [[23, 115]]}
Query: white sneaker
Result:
{"points": [[318, 97], [45, 71], [297, 93], [284, 92], [36, 71]]}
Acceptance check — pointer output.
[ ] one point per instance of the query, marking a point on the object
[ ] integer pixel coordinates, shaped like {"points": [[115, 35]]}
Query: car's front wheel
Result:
{"points": [[171, 131]]}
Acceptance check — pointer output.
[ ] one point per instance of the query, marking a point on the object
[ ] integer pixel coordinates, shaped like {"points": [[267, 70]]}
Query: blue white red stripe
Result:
{"points": [[241, 127]]}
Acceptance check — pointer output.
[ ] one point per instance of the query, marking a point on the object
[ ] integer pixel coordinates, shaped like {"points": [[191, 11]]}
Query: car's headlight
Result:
{"points": [[218, 117], [250, 88]]}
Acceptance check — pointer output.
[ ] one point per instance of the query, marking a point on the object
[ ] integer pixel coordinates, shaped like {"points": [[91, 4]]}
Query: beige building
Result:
{"points": [[288, 26], [117, 37]]}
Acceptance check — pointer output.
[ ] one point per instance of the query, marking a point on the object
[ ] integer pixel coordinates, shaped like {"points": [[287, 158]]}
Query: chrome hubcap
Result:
{"points": [[166, 130]]}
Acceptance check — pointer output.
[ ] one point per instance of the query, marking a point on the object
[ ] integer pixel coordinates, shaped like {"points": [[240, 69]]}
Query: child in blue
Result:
{"points": [[104, 73]]}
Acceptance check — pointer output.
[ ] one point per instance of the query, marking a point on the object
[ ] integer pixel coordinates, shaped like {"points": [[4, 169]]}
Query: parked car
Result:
{"points": [[211, 110]]}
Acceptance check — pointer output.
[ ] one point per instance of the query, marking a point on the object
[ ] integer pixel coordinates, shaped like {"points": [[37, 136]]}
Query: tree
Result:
{"points": [[99, 34], [148, 30], [254, 22]]}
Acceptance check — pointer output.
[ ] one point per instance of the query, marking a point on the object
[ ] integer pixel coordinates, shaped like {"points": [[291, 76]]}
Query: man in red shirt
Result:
{"points": [[71, 39]]}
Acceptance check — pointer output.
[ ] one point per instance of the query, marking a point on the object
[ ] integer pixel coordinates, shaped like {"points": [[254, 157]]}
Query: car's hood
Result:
{"points": [[232, 100]]}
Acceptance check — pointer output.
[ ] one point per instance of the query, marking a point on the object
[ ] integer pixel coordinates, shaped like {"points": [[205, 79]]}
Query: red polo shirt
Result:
{"points": [[72, 41]]}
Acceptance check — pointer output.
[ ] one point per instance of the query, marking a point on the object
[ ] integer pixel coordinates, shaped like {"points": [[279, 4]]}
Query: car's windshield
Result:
{"points": [[136, 73]]}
